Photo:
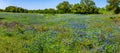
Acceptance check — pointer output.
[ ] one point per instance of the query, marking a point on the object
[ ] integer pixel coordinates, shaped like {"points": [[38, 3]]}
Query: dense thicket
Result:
{"points": [[15, 9], [84, 7], [64, 7], [114, 6]]}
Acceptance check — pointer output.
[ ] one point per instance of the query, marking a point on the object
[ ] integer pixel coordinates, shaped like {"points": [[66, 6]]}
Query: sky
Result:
{"points": [[42, 4]]}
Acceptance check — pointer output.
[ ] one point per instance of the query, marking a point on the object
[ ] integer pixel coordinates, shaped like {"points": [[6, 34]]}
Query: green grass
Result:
{"points": [[59, 33]]}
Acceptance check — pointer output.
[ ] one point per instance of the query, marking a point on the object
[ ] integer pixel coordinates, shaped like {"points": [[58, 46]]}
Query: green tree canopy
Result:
{"points": [[85, 7], [20, 10], [1, 10], [89, 3], [114, 5], [14, 9], [76, 8], [64, 7], [10, 9]]}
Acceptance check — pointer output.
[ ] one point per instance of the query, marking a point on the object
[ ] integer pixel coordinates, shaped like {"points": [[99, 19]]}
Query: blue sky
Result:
{"points": [[42, 4]]}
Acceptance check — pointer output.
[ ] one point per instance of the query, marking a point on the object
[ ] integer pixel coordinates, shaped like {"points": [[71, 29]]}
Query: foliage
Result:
{"points": [[113, 6], [64, 7], [15, 9], [85, 7]]}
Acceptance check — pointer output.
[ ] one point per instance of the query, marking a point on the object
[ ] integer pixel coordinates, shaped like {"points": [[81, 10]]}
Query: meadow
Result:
{"points": [[59, 33]]}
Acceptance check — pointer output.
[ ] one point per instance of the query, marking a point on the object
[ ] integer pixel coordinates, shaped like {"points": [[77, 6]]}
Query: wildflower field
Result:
{"points": [[59, 33]]}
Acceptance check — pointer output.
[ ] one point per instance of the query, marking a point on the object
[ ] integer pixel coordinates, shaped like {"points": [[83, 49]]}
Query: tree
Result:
{"points": [[87, 3], [50, 10], [88, 7], [1, 10], [85, 7], [15, 9], [76, 8], [64, 7], [10, 9], [113, 6], [19, 10]]}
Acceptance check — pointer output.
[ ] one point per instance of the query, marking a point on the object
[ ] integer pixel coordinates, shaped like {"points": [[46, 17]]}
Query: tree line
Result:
{"points": [[84, 7]]}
